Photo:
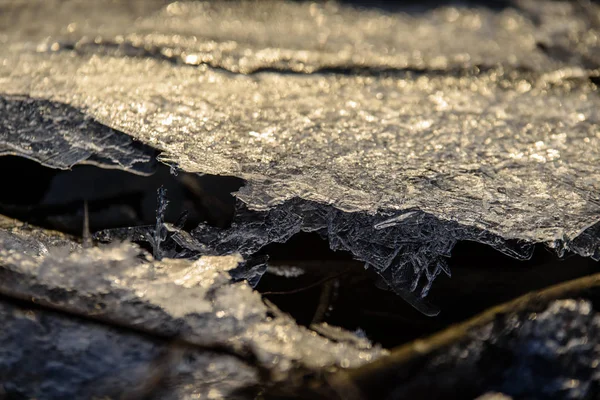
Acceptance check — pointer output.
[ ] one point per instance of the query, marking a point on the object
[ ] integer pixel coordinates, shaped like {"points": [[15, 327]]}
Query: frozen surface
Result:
{"points": [[33, 242], [419, 129], [307, 37], [468, 149], [194, 302], [60, 136]]}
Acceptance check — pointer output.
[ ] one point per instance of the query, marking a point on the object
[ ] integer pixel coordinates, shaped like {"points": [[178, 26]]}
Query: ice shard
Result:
{"points": [[420, 129]]}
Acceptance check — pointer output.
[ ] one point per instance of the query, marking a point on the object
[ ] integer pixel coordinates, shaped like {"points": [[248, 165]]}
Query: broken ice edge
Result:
{"points": [[407, 249]]}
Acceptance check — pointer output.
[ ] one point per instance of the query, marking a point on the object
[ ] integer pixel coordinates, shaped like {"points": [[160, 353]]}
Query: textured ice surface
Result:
{"points": [[551, 354], [60, 136], [513, 155], [481, 152], [505, 154], [194, 302], [33, 242], [304, 37]]}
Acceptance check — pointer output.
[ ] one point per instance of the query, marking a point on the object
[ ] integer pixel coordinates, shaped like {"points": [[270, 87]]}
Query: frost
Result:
{"points": [[194, 301], [391, 135], [409, 253]]}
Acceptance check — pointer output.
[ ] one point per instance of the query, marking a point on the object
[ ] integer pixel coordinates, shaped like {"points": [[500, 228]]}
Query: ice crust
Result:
{"points": [[189, 301], [406, 141], [246, 37], [60, 136]]}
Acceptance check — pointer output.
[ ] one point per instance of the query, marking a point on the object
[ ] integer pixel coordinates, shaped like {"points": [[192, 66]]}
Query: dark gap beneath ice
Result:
{"points": [[305, 277], [481, 278], [54, 199]]}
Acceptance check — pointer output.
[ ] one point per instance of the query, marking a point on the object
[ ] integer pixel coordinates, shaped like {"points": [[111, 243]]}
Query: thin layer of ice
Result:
{"points": [[245, 37], [512, 155], [60, 136], [486, 150], [193, 301]]}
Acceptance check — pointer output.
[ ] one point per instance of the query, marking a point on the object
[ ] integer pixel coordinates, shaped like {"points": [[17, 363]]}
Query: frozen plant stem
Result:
{"points": [[160, 231], [87, 237]]}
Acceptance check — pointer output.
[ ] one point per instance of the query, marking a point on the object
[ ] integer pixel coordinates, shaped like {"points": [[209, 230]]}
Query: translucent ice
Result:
{"points": [[406, 133]]}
